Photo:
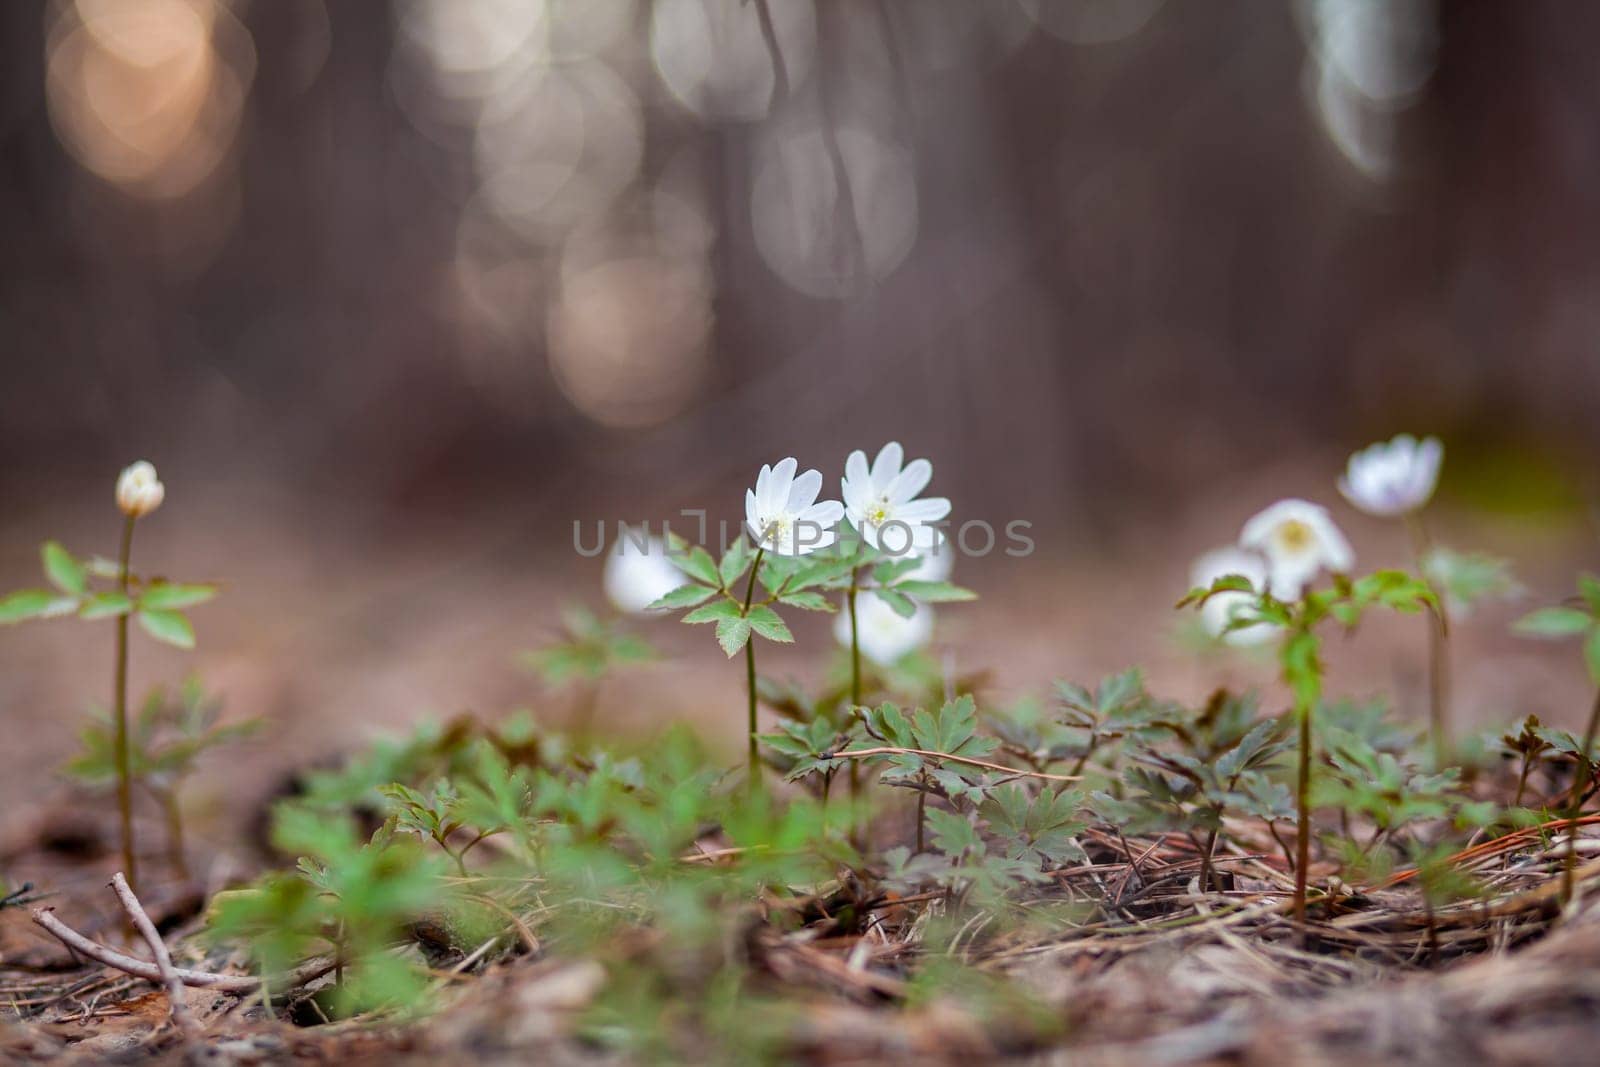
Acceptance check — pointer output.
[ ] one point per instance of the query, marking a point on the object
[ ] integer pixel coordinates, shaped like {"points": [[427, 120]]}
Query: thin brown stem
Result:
{"points": [[1302, 817], [1438, 649], [893, 750], [119, 697], [225, 983], [173, 813], [1583, 775], [181, 1016]]}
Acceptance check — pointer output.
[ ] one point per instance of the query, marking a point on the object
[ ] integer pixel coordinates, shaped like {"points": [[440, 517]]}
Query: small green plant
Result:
{"points": [[1580, 618], [1299, 540], [589, 650], [98, 588], [165, 742]]}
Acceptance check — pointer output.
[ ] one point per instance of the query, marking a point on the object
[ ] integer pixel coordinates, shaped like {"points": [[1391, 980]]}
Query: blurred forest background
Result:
{"points": [[391, 293]]}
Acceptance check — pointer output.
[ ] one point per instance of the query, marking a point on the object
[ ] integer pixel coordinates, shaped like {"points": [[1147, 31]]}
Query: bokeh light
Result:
{"points": [[713, 57]]}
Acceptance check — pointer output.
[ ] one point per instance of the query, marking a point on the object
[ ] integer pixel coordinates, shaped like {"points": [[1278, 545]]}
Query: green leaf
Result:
{"points": [[169, 596], [168, 626], [692, 560], [732, 635], [685, 596], [105, 605], [1591, 654], [1554, 622], [952, 834], [1589, 588], [64, 572], [903, 605], [26, 604], [735, 561], [766, 622], [934, 592], [717, 611], [808, 601]]}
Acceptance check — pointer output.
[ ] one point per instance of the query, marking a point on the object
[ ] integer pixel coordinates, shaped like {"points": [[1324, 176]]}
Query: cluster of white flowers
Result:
{"points": [[784, 517], [1285, 547]]}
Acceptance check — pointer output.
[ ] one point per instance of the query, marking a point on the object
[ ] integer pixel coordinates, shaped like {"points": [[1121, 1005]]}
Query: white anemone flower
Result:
{"points": [[885, 637], [1393, 478], [937, 560], [784, 514], [881, 500], [1298, 540], [139, 492], [637, 575], [1219, 610]]}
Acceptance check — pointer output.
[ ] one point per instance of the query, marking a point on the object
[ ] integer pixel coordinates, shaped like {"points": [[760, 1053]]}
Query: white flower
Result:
{"points": [[783, 513], [138, 491], [881, 500], [1298, 539], [1220, 609], [637, 576], [1393, 478], [938, 560], [884, 636]]}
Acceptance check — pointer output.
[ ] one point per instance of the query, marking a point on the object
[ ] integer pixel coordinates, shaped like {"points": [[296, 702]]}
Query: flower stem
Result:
{"points": [[754, 757], [1583, 775], [119, 697], [855, 680], [1303, 816], [1438, 650]]}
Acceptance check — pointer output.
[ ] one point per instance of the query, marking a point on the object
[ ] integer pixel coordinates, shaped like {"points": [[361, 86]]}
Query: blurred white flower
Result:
{"points": [[1392, 478], [138, 491], [885, 636], [1219, 610], [881, 500], [937, 560], [1298, 539], [637, 576], [783, 513]]}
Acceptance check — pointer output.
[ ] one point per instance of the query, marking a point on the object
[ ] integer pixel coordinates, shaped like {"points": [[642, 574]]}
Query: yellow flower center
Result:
{"points": [[1295, 536]]}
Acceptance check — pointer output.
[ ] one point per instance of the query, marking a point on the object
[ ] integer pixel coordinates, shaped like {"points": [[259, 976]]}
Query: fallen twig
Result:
{"points": [[889, 750], [181, 1016], [225, 983]]}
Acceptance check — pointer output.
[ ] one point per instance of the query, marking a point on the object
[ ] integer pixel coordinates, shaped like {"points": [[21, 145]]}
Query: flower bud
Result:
{"points": [[138, 490]]}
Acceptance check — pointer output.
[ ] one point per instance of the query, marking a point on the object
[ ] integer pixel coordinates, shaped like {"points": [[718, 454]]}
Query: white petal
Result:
{"points": [[887, 465], [911, 481], [930, 509], [803, 491], [857, 474]]}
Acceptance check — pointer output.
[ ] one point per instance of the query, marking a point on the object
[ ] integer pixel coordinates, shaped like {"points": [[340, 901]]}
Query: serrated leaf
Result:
{"points": [[64, 571], [1554, 622], [685, 596], [735, 561], [952, 834], [807, 601], [716, 611], [692, 560], [170, 596], [934, 592], [171, 627], [766, 622], [105, 606], [732, 635]]}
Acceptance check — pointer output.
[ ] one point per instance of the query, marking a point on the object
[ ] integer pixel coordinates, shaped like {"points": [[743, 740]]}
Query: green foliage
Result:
{"points": [[1467, 579], [157, 603], [589, 649], [1579, 617], [165, 738]]}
